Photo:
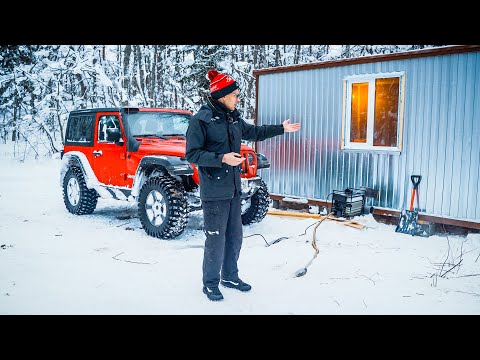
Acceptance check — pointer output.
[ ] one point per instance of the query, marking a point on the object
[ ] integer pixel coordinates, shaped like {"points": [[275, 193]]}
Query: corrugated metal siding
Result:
{"points": [[441, 136]]}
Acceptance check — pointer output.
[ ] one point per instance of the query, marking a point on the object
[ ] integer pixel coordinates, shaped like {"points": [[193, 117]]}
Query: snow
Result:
{"points": [[53, 262], [189, 59], [335, 52]]}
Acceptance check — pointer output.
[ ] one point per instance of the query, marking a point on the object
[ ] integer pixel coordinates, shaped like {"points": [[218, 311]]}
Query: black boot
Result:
{"points": [[238, 284], [213, 293]]}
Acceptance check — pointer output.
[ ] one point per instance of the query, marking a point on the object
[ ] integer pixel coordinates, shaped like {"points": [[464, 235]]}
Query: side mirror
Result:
{"points": [[114, 134]]}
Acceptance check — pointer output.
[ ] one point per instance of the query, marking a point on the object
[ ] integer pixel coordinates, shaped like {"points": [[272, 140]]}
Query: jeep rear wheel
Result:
{"points": [[255, 208], [78, 199], [162, 207]]}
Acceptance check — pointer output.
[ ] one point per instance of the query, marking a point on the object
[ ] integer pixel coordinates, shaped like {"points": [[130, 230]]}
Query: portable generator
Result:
{"points": [[348, 203]]}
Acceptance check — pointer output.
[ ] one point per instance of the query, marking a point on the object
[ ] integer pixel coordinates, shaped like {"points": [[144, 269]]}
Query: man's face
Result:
{"points": [[231, 100]]}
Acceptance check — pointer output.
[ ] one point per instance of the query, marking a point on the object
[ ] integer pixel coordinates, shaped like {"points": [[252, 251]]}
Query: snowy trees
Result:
{"points": [[41, 84]]}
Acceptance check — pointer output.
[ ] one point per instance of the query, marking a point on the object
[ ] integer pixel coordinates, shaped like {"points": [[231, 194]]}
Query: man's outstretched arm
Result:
{"points": [[259, 133]]}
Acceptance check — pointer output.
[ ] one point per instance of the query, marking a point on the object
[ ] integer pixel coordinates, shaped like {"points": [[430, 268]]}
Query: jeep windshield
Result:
{"points": [[158, 124]]}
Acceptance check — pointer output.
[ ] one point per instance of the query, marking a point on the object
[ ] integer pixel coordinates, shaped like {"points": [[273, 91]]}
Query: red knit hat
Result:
{"points": [[220, 84]]}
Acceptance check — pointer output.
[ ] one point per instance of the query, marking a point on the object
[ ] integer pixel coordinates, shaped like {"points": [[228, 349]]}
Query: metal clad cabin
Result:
{"points": [[374, 121]]}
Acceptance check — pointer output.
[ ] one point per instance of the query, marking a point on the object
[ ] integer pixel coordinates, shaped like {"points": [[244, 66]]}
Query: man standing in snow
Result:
{"points": [[213, 143]]}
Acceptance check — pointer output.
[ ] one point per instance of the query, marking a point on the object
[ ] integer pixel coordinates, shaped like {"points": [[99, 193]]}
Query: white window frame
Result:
{"points": [[347, 109]]}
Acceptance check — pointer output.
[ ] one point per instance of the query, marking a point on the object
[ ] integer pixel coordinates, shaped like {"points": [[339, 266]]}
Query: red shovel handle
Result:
{"points": [[413, 198]]}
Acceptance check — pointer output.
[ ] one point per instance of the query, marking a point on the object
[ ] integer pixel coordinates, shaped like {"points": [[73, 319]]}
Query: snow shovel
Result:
{"points": [[408, 223]]}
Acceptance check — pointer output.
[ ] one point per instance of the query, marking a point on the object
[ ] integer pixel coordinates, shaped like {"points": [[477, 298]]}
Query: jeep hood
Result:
{"points": [[174, 146]]}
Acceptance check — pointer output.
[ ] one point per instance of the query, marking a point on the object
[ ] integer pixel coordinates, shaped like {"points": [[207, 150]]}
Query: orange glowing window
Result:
{"points": [[373, 111], [358, 132], [386, 112]]}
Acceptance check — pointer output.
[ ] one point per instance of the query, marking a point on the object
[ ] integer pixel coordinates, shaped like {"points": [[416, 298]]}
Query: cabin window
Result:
{"points": [[373, 112]]}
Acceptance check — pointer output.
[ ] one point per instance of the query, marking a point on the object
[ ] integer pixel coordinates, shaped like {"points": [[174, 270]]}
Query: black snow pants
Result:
{"points": [[224, 234]]}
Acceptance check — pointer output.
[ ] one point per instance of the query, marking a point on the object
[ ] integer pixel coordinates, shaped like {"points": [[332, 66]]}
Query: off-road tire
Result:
{"points": [[259, 204], [172, 203], [86, 199]]}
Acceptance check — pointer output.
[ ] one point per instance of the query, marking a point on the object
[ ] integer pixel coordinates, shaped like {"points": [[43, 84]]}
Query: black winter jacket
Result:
{"points": [[212, 132]]}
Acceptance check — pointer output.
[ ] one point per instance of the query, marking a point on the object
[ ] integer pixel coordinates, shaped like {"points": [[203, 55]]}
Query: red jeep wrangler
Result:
{"points": [[137, 154]]}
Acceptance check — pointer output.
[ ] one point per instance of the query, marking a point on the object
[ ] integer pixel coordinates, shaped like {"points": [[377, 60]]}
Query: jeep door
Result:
{"points": [[109, 151]]}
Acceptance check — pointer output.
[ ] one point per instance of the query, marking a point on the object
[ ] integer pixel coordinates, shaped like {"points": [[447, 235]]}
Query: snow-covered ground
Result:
{"points": [[53, 262]]}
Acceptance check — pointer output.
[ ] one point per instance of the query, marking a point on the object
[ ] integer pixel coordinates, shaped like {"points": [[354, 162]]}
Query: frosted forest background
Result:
{"points": [[41, 84]]}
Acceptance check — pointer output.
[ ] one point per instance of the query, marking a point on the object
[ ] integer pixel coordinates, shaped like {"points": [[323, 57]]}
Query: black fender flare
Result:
{"points": [[172, 165], [74, 160]]}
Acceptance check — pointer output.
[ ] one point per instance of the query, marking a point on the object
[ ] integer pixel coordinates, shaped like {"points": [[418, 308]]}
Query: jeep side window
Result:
{"points": [[107, 122], [80, 130]]}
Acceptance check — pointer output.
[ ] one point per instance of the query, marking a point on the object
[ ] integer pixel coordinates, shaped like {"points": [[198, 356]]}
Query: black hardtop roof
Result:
{"points": [[127, 110], [93, 110]]}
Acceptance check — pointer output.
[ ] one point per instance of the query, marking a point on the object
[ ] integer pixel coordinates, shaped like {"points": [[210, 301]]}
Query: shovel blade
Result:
{"points": [[408, 224]]}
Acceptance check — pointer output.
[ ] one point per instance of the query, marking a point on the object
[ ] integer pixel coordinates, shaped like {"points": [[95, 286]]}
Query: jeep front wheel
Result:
{"points": [[78, 199], [162, 207], [255, 208]]}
